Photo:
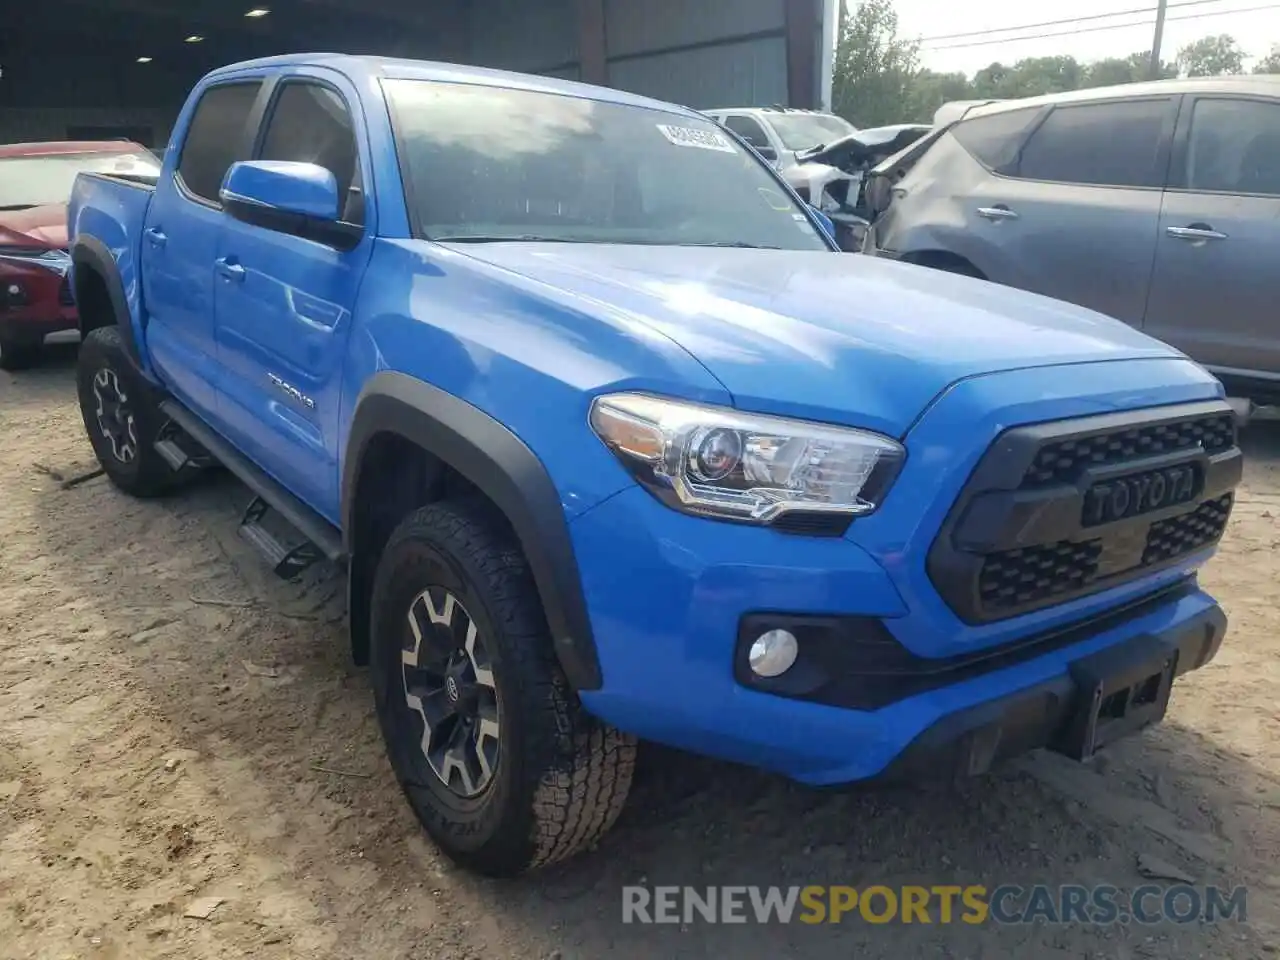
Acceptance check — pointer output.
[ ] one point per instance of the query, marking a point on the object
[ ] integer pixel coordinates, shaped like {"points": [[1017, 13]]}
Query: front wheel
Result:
{"points": [[495, 753]]}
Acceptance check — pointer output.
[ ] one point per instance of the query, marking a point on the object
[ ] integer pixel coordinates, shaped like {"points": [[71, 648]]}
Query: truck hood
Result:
{"points": [[837, 337], [43, 226]]}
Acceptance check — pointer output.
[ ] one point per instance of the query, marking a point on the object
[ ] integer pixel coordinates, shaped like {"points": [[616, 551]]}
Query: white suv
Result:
{"points": [[779, 133]]}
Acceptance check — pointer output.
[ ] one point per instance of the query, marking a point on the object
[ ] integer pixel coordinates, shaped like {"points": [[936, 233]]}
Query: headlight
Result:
{"points": [[719, 462]]}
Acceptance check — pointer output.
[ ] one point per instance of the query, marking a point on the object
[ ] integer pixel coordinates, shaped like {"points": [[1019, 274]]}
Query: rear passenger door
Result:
{"points": [[284, 303], [1213, 294], [180, 241], [1073, 213]]}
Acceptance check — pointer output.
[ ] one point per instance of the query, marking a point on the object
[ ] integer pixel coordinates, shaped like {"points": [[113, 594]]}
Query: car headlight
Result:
{"points": [[720, 462]]}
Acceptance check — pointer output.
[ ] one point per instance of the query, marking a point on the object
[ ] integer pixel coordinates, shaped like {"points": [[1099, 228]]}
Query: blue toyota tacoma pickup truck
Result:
{"points": [[613, 443]]}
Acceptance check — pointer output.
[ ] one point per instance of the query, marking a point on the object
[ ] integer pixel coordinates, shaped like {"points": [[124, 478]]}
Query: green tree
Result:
{"points": [[1141, 64], [929, 90], [1113, 70], [1270, 63], [1211, 57], [875, 68], [1029, 77], [1105, 73]]}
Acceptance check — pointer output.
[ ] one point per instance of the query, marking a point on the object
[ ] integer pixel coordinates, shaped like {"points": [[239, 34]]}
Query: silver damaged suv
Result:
{"points": [[1157, 203]]}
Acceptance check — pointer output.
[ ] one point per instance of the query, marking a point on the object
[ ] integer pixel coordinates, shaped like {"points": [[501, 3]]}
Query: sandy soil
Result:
{"points": [[144, 766]]}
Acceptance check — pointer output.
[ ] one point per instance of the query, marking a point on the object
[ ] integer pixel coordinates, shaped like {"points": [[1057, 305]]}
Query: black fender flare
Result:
{"points": [[91, 254], [501, 466]]}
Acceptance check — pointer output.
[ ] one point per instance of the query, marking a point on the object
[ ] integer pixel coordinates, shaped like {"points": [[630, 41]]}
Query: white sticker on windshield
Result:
{"points": [[691, 137]]}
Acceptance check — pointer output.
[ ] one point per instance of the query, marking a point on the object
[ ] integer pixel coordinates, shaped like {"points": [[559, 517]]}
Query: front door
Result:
{"points": [[180, 242], [1213, 294], [284, 304]]}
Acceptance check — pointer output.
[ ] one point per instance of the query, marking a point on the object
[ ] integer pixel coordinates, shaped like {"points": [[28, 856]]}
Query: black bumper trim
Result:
{"points": [[970, 742], [856, 663]]}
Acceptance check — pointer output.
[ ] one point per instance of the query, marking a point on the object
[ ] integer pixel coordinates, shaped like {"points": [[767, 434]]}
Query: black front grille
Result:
{"points": [[64, 293], [1020, 537], [1167, 539], [1015, 578], [1062, 461]]}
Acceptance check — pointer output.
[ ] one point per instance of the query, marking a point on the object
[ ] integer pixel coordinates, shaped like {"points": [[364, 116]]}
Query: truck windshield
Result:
{"points": [[488, 163], [36, 181], [800, 131]]}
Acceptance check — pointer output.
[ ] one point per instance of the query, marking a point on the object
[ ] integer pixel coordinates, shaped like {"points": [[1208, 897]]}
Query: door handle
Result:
{"points": [[998, 212], [231, 272], [1195, 232], [156, 237]]}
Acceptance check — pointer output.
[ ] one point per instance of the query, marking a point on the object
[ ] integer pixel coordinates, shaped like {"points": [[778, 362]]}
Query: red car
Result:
{"points": [[35, 184]]}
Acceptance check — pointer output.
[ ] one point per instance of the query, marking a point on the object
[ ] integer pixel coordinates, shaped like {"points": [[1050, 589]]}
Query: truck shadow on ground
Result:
{"points": [[690, 821]]}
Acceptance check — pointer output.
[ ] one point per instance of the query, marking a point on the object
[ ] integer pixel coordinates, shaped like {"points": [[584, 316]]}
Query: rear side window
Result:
{"points": [[994, 139], [217, 137], [1119, 144], [1235, 147], [748, 129], [311, 124]]}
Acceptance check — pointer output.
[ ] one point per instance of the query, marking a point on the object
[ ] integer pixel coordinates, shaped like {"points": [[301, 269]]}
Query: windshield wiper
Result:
{"points": [[740, 244], [518, 238], [18, 206]]}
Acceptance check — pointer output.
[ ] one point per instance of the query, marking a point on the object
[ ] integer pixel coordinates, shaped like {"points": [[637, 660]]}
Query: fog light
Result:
{"points": [[13, 295], [773, 653]]}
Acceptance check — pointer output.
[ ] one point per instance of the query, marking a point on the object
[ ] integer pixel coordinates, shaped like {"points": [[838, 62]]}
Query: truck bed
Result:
{"points": [[111, 210]]}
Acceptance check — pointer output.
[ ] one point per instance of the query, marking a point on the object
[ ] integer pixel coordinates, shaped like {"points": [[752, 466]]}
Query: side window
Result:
{"points": [[216, 138], [1234, 147], [994, 139], [748, 129], [1118, 144], [310, 123]]}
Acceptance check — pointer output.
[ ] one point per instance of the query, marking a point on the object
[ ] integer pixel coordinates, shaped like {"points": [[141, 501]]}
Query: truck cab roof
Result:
{"points": [[360, 68]]}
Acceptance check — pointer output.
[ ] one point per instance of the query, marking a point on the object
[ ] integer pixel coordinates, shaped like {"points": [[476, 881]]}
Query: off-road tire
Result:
{"points": [[561, 776], [18, 354], [147, 474]]}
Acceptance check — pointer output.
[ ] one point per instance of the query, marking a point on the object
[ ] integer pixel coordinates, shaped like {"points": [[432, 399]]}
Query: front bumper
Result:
{"points": [[970, 741], [666, 599], [34, 302], [668, 596]]}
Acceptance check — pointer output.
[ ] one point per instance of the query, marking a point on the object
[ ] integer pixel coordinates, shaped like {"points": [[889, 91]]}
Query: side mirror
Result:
{"points": [[300, 199]]}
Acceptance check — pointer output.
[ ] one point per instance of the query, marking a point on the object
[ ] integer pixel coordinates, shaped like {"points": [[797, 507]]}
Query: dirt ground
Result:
{"points": [[175, 725]]}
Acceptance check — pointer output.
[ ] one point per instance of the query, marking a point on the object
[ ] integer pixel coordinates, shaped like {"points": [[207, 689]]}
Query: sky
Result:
{"points": [[1255, 29]]}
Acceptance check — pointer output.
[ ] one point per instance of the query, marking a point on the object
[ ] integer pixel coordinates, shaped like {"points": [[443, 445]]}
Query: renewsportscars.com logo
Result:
{"points": [[942, 904]]}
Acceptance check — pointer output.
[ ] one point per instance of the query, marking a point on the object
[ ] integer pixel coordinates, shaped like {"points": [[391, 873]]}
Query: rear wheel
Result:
{"points": [[18, 354], [121, 413], [495, 753]]}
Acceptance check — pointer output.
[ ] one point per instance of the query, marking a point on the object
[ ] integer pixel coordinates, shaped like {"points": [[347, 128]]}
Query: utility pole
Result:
{"points": [[1154, 67]]}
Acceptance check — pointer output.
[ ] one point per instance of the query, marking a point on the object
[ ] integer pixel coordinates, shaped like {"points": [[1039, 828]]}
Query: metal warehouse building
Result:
{"points": [[92, 69]]}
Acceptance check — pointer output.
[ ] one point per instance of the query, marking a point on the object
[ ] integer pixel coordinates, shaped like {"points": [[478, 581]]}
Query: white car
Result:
{"points": [[779, 133]]}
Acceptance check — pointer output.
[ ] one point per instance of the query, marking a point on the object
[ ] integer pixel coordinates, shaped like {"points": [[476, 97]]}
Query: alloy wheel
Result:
{"points": [[114, 415], [448, 682]]}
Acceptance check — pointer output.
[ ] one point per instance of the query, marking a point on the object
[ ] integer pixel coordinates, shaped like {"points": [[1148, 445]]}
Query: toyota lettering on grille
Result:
{"points": [[1139, 493]]}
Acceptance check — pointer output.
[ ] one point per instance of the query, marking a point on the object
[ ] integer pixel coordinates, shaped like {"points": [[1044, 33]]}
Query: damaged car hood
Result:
{"points": [[862, 147]]}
